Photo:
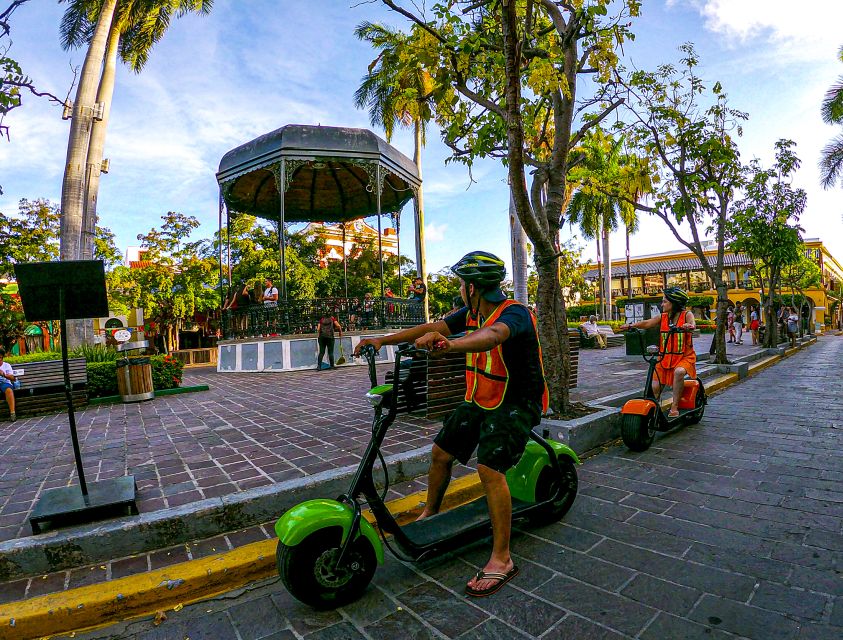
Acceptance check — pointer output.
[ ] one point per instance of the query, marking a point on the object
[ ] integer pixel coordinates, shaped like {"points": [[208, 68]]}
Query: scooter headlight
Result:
{"points": [[652, 350], [375, 399]]}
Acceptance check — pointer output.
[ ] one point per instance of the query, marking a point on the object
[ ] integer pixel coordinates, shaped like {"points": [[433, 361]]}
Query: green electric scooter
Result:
{"points": [[327, 552]]}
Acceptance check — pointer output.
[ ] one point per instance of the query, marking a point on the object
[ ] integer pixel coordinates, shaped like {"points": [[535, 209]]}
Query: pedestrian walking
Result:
{"points": [[325, 332], [792, 326], [754, 323], [730, 323], [738, 323]]}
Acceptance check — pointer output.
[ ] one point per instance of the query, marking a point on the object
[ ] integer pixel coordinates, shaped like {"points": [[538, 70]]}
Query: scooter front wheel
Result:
{"points": [[309, 569], [638, 431], [548, 487]]}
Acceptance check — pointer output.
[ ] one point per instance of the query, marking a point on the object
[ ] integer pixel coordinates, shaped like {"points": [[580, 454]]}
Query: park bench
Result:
{"points": [[612, 339], [437, 385], [42, 387]]}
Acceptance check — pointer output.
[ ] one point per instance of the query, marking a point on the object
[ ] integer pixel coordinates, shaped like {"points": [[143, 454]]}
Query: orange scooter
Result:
{"points": [[642, 417]]}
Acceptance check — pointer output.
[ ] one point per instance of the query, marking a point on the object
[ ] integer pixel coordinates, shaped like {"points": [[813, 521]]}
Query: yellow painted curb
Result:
{"points": [[760, 365], [169, 588], [721, 382]]}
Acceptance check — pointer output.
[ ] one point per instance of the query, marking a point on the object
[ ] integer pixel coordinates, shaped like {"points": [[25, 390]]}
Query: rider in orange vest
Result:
{"points": [[679, 359], [505, 397]]}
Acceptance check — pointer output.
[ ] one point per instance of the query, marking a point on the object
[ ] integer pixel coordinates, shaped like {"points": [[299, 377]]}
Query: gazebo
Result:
{"points": [[306, 173]]}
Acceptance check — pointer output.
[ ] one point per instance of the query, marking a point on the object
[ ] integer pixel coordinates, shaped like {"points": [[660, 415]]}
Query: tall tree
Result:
{"points": [[398, 90], [509, 74], [765, 226], [831, 162], [596, 205], [686, 132]]}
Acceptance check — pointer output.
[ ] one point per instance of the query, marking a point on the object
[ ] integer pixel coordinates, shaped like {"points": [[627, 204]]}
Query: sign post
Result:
{"points": [[72, 290]]}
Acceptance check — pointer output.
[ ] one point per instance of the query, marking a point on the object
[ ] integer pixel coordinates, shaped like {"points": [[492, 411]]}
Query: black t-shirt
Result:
{"points": [[520, 354], [419, 291]]}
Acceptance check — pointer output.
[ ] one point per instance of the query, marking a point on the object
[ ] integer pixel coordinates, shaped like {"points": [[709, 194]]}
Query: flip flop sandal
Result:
{"points": [[501, 578], [671, 414]]}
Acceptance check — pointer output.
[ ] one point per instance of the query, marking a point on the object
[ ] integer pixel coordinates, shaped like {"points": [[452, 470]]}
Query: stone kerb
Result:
{"points": [[79, 546]]}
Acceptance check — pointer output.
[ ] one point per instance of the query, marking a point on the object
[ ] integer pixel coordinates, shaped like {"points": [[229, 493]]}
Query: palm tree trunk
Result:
{"points": [[599, 280], [421, 261], [628, 270], [97, 143], [518, 239], [607, 273], [73, 186]]}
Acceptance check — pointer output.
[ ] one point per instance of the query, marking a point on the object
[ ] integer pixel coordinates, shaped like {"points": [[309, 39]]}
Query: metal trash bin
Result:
{"points": [[134, 373]]}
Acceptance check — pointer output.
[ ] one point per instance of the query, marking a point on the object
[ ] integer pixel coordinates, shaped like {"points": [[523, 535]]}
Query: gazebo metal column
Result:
{"points": [[379, 188], [281, 184]]}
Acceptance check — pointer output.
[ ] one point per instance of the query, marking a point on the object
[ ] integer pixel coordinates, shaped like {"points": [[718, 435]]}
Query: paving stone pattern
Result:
{"points": [[249, 430], [727, 529]]}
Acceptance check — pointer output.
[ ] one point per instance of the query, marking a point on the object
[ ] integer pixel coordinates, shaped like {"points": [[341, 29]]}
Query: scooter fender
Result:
{"points": [[311, 516], [638, 407], [523, 477]]}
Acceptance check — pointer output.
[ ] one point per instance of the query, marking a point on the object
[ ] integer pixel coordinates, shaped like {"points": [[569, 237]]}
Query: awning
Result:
{"points": [[671, 266]]}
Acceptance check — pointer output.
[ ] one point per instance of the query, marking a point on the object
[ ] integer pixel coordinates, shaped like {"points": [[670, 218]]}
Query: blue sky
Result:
{"points": [[251, 67]]}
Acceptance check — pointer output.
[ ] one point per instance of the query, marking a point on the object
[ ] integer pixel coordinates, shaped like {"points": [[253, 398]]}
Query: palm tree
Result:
{"points": [[597, 206], [135, 27], [397, 91], [831, 163]]}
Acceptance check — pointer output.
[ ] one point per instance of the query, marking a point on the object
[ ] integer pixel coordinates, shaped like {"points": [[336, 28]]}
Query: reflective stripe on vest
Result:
{"points": [[675, 346], [486, 375]]}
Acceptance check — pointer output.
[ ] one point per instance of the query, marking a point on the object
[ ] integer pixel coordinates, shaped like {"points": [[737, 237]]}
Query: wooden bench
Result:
{"points": [[42, 387], [612, 339], [437, 385]]}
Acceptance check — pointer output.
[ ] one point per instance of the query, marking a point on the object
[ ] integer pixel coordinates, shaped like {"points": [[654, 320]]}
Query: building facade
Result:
{"points": [[357, 232], [650, 274]]}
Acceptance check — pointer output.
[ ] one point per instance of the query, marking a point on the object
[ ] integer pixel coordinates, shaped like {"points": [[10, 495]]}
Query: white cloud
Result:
{"points": [[434, 232], [811, 31]]}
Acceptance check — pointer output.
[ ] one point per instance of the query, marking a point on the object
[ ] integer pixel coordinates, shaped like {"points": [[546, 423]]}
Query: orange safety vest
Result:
{"points": [[486, 375], [676, 347]]}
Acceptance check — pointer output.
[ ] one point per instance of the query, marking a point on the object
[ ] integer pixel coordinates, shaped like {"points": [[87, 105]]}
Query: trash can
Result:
{"points": [[134, 373]]}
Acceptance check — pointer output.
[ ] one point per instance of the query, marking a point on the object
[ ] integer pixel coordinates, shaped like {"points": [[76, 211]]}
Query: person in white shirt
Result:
{"points": [[270, 294], [7, 378], [592, 331]]}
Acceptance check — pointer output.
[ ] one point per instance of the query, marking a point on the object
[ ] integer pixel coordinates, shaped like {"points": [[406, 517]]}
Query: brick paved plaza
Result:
{"points": [[249, 430], [731, 528]]}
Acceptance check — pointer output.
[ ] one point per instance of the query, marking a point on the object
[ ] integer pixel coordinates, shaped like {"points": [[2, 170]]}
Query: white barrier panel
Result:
{"points": [[289, 354]]}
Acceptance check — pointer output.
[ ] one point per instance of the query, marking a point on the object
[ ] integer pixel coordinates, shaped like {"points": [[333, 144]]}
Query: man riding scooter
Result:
{"points": [[679, 357], [505, 397]]}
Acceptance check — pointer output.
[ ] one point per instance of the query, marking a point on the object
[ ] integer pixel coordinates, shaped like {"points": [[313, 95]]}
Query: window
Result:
{"points": [[653, 283], [677, 279], [699, 282]]}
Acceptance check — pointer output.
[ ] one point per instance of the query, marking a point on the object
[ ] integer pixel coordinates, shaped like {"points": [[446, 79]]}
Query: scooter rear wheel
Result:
{"points": [[548, 486], [638, 431], [309, 570]]}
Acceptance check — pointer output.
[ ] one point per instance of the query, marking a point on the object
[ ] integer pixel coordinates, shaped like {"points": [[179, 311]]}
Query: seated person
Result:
{"points": [[679, 359], [592, 331], [7, 386], [418, 290]]}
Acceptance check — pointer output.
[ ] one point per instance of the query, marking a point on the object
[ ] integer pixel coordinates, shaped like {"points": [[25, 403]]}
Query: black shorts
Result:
{"points": [[501, 433]]}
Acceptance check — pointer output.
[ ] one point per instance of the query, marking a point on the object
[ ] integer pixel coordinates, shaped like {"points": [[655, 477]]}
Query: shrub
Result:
{"points": [[102, 376], [94, 353], [166, 372], [39, 356], [102, 379]]}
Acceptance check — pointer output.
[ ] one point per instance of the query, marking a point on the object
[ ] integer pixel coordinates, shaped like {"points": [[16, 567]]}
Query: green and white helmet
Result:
{"points": [[485, 270]]}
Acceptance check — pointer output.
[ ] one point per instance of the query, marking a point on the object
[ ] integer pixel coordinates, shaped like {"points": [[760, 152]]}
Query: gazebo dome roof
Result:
{"points": [[329, 174]]}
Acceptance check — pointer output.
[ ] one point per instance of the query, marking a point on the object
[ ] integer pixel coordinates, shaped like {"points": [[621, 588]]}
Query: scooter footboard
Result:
{"points": [[524, 476], [309, 517]]}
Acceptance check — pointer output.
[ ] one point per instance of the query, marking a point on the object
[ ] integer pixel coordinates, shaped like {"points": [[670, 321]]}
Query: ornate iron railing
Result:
{"points": [[301, 316]]}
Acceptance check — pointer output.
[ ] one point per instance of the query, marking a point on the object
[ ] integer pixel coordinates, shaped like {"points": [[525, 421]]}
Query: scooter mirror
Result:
{"points": [[652, 350]]}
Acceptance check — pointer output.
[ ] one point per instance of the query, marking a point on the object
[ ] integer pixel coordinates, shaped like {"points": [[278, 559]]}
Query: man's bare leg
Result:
{"points": [[678, 387], [500, 514], [10, 399], [438, 478]]}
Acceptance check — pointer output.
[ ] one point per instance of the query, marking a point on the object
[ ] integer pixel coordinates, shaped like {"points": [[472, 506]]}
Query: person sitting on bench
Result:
{"points": [[592, 331], [7, 379]]}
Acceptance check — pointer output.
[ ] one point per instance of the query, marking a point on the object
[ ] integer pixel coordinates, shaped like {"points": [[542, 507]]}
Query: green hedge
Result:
{"points": [[34, 357], [102, 376]]}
